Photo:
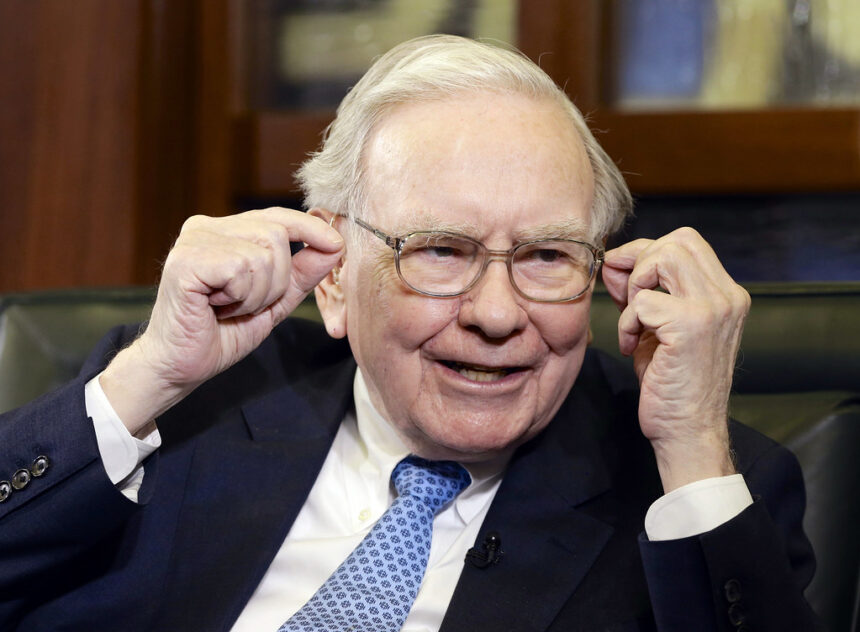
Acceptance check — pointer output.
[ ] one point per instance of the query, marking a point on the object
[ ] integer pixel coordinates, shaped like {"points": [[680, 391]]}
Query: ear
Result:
{"points": [[329, 292]]}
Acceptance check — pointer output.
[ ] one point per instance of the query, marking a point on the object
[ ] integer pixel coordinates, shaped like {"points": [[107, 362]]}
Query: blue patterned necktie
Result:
{"points": [[373, 589]]}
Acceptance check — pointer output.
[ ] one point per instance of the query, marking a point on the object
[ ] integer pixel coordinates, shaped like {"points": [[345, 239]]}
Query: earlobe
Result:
{"points": [[332, 306]]}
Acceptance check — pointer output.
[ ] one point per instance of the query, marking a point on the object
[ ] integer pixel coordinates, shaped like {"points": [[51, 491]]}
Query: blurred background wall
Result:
{"points": [[120, 118]]}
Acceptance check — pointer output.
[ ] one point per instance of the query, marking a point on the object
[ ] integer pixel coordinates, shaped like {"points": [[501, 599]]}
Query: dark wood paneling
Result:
{"points": [[67, 158], [114, 127], [122, 117], [566, 39], [762, 151], [184, 133], [773, 151], [270, 146]]}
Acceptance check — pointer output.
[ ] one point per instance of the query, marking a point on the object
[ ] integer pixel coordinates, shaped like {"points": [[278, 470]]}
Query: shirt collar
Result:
{"points": [[384, 449]]}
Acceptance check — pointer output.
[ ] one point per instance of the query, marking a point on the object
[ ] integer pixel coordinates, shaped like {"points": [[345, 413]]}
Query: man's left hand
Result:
{"points": [[682, 317]]}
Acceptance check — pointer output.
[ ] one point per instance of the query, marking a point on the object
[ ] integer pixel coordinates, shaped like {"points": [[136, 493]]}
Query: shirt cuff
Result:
{"points": [[121, 453], [697, 507]]}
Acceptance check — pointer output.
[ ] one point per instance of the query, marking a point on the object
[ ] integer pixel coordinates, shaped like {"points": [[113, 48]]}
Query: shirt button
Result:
{"points": [[5, 490], [364, 514]]}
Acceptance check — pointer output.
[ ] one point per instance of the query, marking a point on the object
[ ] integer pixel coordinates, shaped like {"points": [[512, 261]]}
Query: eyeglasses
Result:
{"points": [[444, 264]]}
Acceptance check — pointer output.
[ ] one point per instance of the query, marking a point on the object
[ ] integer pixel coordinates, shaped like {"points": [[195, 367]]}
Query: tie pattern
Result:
{"points": [[373, 589]]}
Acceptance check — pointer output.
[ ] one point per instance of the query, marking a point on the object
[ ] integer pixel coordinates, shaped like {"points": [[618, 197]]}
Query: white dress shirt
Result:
{"points": [[353, 490]]}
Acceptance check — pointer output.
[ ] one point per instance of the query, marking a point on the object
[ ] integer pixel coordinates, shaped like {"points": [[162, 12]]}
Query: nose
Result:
{"points": [[493, 305]]}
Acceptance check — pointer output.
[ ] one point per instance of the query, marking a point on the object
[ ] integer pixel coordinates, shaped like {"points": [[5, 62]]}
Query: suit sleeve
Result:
{"points": [[747, 574], [56, 513]]}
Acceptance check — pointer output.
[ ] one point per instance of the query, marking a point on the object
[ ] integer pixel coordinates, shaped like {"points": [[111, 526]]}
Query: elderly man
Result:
{"points": [[226, 469]]}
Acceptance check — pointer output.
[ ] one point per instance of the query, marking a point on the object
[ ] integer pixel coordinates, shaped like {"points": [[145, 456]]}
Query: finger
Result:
{"points": [[618, 263], [667, 265], [309, 229], [290, 282], [624, 256], [310, 266], [230, 271], [266, 250], [274, 229], [683, 264], [615, 280], [650, 310]]}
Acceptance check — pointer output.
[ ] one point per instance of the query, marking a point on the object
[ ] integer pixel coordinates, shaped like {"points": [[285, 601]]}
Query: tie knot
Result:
{"points": [[435, 483]]}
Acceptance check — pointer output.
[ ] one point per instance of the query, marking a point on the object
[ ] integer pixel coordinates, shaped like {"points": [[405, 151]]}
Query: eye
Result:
{"points": [[437, 247], [545, 255], [440, 252]]}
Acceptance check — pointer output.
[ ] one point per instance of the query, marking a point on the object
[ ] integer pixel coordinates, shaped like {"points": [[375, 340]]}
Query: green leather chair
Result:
{"points": [[798, 381]]}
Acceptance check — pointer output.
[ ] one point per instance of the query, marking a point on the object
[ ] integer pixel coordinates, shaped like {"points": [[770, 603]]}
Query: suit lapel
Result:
{"points": [[249, 478], [549, 544]]}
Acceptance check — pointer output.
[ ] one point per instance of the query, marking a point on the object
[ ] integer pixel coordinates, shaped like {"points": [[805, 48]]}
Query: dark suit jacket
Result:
{"points": [[241, 454]]}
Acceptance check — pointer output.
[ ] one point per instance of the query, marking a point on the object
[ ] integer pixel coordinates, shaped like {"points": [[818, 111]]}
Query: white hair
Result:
{"points": [[433, 68]]}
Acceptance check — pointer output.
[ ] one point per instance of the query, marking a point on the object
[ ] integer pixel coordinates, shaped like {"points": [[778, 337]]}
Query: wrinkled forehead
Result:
{"points": [[468, 162]]}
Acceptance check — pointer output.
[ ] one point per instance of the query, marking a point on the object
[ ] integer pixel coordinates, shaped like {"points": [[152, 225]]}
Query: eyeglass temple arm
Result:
{"points": [[391, 242]]}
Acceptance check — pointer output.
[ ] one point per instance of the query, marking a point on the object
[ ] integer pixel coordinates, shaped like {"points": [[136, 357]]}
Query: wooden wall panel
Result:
{"points": [[114, 127], [67, 157]]}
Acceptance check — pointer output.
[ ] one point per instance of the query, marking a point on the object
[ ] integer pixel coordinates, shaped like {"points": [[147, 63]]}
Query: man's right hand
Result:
{"points": [[225, 285]]}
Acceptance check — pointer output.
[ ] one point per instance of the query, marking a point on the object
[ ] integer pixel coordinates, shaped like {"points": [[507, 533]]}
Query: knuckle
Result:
{"points": [[260, 263], [239, 264], [279, 236], [743, 298], [687, 234], [675, 251], [194, 222]]}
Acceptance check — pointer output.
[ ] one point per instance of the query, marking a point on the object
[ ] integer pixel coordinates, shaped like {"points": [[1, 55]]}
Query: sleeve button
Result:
{"points": [[5, 490], [39, 465], [737, 615], [21, 479], [732, 590]]}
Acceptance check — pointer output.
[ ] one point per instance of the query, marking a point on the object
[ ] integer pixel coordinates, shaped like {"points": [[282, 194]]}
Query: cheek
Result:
{"points": [[388, 323], [563, 328]]}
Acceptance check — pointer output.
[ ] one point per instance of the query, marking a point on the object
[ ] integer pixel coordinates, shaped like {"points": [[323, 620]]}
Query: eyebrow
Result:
{"points": [[427, 221], [568, 228]]}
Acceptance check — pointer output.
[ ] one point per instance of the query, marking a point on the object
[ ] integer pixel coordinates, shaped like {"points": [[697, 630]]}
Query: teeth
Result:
{"points": [[481, 376]]}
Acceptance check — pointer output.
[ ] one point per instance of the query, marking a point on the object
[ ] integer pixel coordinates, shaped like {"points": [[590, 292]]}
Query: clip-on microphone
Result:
{"points": [[489, 553]]}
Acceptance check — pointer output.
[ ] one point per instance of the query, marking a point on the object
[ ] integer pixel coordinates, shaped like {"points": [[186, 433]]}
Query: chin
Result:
{"points": [[470, 449]]}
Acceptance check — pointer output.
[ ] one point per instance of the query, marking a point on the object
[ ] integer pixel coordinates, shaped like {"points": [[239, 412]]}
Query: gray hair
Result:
{"points": [[432, 68]]}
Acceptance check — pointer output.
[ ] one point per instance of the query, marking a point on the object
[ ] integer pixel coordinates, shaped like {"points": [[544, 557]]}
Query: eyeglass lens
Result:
{"points": [[444, 264]]}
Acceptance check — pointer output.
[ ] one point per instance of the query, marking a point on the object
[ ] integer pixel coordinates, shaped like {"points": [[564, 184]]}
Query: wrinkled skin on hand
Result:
{"points": [[681, 319], [226, 283]]}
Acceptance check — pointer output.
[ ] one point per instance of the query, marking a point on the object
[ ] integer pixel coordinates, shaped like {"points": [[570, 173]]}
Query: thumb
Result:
{"points": [[615, 280], [310, 266]]}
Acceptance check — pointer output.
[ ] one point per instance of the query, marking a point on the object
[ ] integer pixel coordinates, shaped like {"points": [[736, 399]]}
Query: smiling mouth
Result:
{"points": [[480, 373]]}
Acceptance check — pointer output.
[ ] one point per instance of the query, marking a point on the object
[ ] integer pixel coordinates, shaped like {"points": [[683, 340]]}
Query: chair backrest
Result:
{"points": [[798, 380], [45, 336]]}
